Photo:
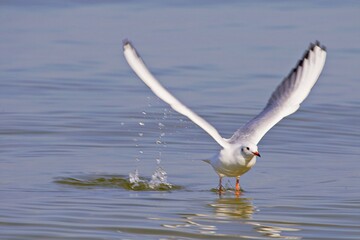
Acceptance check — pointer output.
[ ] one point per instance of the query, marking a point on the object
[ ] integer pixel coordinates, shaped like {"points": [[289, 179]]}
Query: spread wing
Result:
{"points": [[144, 74], [287, 97]]}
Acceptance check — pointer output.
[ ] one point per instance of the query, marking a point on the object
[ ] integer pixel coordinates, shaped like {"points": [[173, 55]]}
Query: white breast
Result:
{"points": [[229, 163]]}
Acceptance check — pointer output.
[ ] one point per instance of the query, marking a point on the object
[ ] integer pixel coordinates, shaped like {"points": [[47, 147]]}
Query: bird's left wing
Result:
{"points": [[144, 74], [288, 96]]}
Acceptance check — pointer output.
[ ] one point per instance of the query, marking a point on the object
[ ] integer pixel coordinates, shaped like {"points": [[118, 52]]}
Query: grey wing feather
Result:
{"points": [[287, 97]]}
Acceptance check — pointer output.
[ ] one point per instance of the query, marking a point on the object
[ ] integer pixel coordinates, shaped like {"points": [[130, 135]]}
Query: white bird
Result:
{"points": [[238, 153]]}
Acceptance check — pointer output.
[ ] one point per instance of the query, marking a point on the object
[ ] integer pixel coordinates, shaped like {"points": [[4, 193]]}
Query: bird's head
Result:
{"points": [[249, 150]]}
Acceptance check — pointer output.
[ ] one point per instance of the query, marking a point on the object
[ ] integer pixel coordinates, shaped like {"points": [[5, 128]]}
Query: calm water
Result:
{"points": [[77, 125]]}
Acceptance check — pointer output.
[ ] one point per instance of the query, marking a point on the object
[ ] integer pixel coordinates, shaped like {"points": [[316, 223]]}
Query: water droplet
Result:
{"points": [[134, 178], [158, 142], [158, 178], [162, 134], [141, 123], [144, 113], [141, 152], [141, 134]]}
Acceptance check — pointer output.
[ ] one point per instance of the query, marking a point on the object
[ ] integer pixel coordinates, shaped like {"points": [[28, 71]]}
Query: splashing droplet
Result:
{"points": [[159, 178], [134, 179], [134, 176], [141, 123]]}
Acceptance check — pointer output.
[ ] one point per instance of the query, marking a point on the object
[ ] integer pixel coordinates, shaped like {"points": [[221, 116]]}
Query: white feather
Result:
{"points": [[286, 99], [144, 74]]}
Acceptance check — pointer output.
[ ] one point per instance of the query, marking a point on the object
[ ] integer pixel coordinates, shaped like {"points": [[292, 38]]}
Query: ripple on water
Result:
{"points": [[133, 182]]}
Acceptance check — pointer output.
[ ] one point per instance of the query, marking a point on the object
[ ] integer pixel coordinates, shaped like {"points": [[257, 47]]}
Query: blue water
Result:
{"points": [[71, 108]]}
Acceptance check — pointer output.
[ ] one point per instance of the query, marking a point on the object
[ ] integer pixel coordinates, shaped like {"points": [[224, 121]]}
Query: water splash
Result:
{"points": [[159, 178], [158, 181], [161, 125], [134, 179], [131, 183], [160, 141]]}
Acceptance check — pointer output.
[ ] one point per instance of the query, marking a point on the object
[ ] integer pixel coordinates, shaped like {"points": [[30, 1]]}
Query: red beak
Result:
{"points": [[257, 154]]}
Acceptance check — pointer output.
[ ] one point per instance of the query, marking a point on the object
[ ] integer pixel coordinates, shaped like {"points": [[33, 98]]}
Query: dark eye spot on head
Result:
{"points": [[247, 148]]}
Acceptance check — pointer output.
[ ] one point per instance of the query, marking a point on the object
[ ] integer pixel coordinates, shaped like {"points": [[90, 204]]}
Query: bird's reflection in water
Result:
{"points": [[224, 207], [242, 208], [235, 207], [232, 217]]}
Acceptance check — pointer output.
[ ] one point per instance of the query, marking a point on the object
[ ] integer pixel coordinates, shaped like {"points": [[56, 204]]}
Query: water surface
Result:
{"points": [[87, 152]]}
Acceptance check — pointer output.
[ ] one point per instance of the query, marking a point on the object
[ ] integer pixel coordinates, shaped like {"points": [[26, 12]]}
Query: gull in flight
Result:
{"points": [[238, 153]]}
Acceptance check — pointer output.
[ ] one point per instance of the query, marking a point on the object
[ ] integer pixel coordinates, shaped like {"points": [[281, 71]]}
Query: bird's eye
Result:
{"points": [[247, 148]]}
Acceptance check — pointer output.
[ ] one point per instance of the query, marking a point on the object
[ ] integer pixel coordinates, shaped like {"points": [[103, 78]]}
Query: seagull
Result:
{"points": [[238, 153]]}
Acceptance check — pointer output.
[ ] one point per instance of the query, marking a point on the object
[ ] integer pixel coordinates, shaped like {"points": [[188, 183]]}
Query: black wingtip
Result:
{"points": [[317, 43], [127, 45], [311, 48], [126, 42], [307, 52]]}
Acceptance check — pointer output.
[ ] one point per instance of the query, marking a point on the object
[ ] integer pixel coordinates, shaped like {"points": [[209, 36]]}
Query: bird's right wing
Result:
{"points": [[144, 74], [288, 96]]}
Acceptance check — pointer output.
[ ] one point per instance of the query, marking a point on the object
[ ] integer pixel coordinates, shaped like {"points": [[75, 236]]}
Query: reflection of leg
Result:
{"points": [[220, 186], [237, 186]]}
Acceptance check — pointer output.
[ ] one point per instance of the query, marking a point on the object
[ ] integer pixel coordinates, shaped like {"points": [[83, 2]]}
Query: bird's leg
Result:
{"points": [[220, 186], [237, 186]]}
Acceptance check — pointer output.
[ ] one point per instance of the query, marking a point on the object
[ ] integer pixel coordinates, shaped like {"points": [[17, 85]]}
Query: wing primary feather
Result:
{"points": [[287, 97], [139, 67]]}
